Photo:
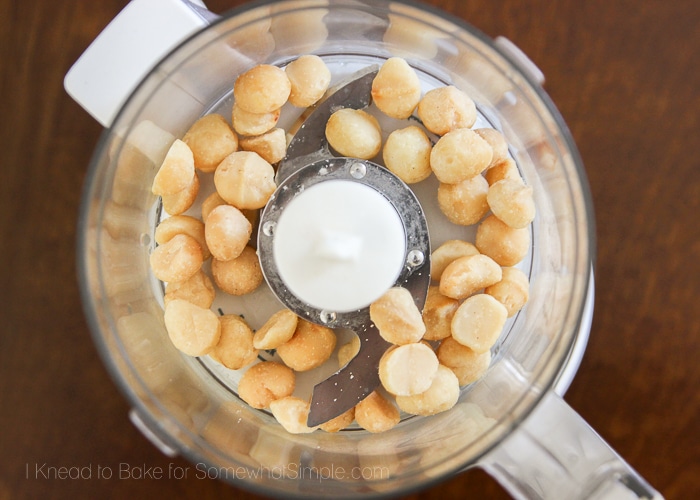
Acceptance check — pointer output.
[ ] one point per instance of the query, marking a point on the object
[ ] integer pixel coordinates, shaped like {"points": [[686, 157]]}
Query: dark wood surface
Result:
{"points": [[624, 75]]}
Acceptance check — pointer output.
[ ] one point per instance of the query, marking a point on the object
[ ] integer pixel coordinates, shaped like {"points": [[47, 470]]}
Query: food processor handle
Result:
{"points": [[556, 454], [126, 50]]}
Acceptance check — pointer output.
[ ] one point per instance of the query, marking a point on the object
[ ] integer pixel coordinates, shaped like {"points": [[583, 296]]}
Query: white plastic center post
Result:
{"points": [[339, 245]]}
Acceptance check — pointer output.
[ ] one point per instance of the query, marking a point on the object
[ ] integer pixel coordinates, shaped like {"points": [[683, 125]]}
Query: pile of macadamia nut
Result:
{"points": [[475, 284]]}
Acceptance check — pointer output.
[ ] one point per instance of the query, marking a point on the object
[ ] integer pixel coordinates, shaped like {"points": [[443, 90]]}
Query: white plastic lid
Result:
{"points": [[126, 50], [339, 245]]}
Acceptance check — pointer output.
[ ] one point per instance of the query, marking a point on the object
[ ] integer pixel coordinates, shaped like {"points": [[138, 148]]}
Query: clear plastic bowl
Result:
{"points": [[193, 410]]}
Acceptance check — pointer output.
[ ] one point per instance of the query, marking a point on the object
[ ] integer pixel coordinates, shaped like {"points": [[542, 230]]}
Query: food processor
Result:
{"points": [[161, 65]]}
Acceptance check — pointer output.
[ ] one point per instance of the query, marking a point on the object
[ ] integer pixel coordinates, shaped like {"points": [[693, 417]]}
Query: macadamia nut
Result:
{"points": [[511, 201], [176, 172], [252, 124], [467, 275], [340, 422], [210, 203], [292, 414], [211, 139], [354, 133], [504, 169], [262, 89], [478, 322], [459, 155], [496, 141], [408, 369], [467, 365], [227, 232], [235, 347], [396, 89], [265, 382], [309, 78], [182, 201], [271, 146], [448, 252], [464, 203], [238, 276], [397, 317], [444, 109], [407, 154], [197, 289], [504, 244], [442, 395], [182, 224], [245, 180], [310, 346], [276, 331], [192, 329], [437, 314], [375, 413], [176, 260], [512, 291]]}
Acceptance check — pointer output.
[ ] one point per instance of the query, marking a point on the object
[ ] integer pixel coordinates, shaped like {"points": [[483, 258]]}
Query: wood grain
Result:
{"points": [[624, 75]]}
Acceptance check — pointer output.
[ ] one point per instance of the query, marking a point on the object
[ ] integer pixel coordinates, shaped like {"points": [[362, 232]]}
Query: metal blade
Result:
{"points": [[356, 380], [347, 387]]}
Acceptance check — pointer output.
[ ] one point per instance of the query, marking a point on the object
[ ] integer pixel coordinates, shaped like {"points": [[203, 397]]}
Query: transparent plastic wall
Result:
{"points": [[195, 415]]}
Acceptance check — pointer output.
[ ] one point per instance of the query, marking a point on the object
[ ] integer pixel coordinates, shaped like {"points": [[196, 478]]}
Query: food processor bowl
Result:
{"points": [[190, 407]]}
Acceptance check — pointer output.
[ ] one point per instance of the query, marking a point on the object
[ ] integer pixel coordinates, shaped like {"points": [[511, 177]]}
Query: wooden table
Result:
{"points": [[624, 75]]}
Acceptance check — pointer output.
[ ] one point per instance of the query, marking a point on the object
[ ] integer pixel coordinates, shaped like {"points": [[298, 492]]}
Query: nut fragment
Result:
{"points": [[459, 155], [227, 232], [235, 347], [397, 317], [478, 322], [464, 203], [407, 154], [504, 244], [375, 413], [437, 314], [198, 289], [442, 395], [277, 330], [444, 109], [245, 180], [408, 369], [265, 382], [309, 78], [354, 133], [262, 89], [467, 364], [238, 276], [192, 329], [467, 275], [292, 414], [512, 291], [176, 260], [310, 346], [176, 172], [396, 89], [511, 201], [448, 252], [211, 139]]}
